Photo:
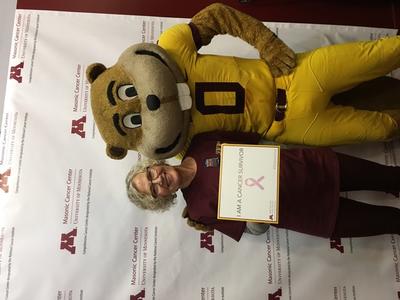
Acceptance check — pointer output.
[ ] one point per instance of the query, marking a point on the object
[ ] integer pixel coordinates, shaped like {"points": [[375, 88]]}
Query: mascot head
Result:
{"points": [[141, 103]]}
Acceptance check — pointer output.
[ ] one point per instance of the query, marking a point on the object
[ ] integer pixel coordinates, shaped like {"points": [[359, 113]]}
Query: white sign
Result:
{"points": [[249, 183]]}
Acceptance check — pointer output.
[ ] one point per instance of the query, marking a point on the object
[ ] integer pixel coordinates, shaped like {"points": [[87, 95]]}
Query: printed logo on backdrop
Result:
{"points": [[80, 103], [15, 72], [275, 296], [206, 241], [143, 262], [139, 296], [75, 203], [68, 241], [336, 243], [394, 243], [4, 180], [23, 45], [78, 128]]}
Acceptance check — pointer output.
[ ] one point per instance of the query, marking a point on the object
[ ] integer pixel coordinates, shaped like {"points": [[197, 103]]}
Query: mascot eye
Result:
{"points": [[127, 92], [132, 120]]}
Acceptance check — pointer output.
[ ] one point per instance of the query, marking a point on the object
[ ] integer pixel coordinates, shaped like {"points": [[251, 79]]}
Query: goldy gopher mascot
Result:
{"points": [[157, 97]]}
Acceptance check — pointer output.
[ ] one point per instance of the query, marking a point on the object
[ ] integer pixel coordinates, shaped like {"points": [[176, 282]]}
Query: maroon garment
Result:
{"points": [[202, 194], [308, 193], [309, 190]]}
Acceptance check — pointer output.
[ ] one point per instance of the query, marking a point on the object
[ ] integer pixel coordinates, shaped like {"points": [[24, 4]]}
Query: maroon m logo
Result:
{"points": [[78, 127], [336, 243], [206, 240], [275, 296], [4, 180], [68, 241], [15, 72], [139, 296]]}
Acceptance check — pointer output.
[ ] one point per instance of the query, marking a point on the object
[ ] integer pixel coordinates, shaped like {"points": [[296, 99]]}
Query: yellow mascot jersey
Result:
{"points": [[237, 94], [225, 95]]}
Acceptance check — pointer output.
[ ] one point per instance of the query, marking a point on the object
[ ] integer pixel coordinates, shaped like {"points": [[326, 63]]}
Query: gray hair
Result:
{"points": [[142, 200]]}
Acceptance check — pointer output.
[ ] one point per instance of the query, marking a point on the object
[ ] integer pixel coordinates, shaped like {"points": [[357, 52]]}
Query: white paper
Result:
{"points": [[249, 183]]}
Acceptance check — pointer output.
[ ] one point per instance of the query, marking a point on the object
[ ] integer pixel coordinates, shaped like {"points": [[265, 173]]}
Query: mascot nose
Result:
{"points": [[153, 103]]}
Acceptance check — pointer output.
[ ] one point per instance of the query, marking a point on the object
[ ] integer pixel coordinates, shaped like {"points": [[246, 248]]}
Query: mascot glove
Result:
{"points": [[279, 57]]}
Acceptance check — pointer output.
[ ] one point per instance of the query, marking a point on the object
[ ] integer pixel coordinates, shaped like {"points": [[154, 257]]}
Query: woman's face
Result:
{"points": [[158, 181]]}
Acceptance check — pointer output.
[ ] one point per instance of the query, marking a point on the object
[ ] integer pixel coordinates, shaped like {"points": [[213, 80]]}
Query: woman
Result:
{"points": [[309, 199]]}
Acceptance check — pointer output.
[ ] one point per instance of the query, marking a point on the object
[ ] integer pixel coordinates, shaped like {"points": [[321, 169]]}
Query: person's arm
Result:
{"points": [[222, 19]]}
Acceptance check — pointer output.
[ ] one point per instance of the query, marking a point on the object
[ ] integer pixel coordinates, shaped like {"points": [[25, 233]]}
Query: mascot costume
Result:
{"points": [[157, 97]]}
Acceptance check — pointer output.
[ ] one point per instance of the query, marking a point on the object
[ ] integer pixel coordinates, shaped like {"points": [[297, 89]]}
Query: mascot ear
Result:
{"points": [[94, 70], [116, 152]]}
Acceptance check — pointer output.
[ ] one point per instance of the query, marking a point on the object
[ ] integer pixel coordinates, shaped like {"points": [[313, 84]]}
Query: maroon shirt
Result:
{"points": [[308, 192]]}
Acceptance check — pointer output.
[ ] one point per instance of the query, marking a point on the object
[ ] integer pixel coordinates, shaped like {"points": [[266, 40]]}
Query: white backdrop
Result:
{"points": [[67, 230]]}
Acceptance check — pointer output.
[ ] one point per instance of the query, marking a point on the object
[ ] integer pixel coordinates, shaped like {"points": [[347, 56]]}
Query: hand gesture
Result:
{"points": [[279, 57]]}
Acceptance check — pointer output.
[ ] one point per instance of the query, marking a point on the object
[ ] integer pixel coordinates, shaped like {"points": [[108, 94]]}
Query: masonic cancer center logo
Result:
{"points": [[4, 180], [68, 241], [77, 127], [275, 296], [15, 72], [206, 240], [139, 296]]}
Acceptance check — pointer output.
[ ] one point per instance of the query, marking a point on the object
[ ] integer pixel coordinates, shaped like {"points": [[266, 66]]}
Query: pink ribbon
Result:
{"points": [[253, 182]]}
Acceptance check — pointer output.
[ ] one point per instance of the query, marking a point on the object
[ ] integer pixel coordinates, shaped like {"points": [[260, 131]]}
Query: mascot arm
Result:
{"points": [[222, 19]]}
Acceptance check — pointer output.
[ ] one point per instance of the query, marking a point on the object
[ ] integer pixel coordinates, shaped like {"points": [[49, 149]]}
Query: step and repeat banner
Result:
{"points": [[67, 229]]}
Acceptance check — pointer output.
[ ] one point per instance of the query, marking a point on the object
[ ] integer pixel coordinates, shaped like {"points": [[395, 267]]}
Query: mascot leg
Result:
{"points": [[380, 94], [338, 125], [338, 68], [313, 119]]}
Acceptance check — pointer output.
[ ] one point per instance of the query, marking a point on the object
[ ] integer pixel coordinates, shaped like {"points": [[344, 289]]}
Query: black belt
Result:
{"points": [[281, 105]]}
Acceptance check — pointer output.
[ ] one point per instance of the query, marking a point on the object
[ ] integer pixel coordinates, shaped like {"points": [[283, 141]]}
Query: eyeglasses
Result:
{"points": [[151, 175]]}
